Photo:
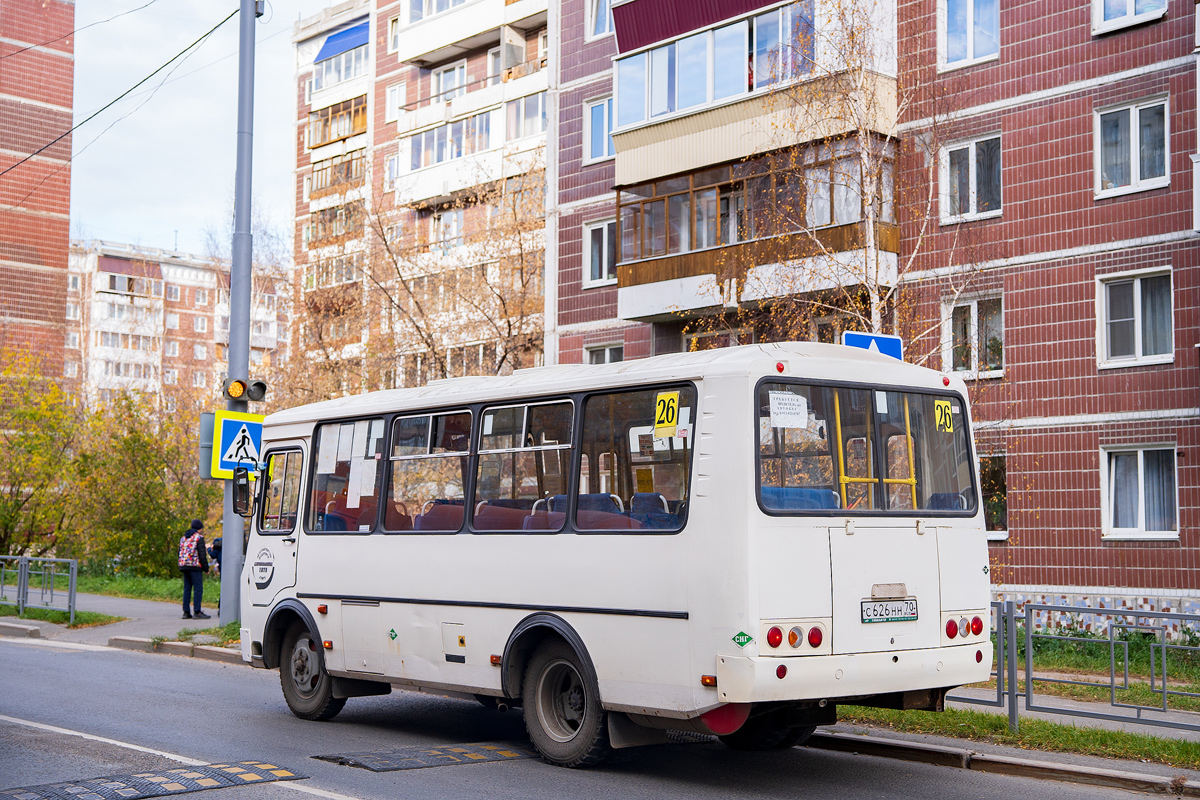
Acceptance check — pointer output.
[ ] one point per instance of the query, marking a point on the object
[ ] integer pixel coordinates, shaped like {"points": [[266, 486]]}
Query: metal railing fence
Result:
{"points": [[29, 582]]}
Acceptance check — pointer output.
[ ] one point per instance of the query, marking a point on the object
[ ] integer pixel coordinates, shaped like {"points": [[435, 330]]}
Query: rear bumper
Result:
{"points": [[754, 679]]}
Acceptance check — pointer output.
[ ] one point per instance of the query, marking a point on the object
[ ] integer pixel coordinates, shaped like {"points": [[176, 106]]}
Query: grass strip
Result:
{"points": [[140, 588], [229, 635], [83, 619], [1034, 734]]}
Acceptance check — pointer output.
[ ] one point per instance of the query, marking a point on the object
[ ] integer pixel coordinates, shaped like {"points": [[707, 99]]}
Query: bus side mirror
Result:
{"points": [[242, 503]]}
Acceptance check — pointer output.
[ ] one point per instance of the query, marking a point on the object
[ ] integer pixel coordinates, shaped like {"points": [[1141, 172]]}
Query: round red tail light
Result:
{"points": [[978, 656], [796, 636], [781, 671], [775, 636], [976, 625], [815, 636], [951, 629]]}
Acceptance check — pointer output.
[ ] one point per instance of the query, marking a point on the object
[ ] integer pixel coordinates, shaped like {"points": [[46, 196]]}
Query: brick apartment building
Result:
{"points": [[155, 323], [37, 70], [420, 126]]}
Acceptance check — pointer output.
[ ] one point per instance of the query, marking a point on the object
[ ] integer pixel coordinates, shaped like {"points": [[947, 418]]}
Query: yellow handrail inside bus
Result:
{"points": [[837, 421]]}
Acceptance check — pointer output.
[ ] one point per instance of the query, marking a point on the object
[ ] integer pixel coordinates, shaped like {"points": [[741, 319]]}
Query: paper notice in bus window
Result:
{"points": [[360, 438], [943, 416], [788, 410], [327, 451], [376, 436], [645, 444], [345, 442], [666, 414], [354, 487], [645, 479], [367, 479]]}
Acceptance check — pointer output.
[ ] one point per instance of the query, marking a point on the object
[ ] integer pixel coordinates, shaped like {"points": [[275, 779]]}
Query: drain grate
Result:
{"points": [[156, 784], [423, 757]]}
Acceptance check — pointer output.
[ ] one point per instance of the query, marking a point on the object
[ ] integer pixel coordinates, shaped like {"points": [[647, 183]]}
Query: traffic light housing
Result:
{"points": [[238, 389]]}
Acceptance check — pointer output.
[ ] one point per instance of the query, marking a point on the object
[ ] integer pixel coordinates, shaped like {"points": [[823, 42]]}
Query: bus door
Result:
{"points": [[271, 558], [886, 589]]}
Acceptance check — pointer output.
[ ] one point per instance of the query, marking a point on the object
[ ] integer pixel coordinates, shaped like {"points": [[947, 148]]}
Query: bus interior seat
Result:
{"points": [[396, 517], [443, 515], [799, 498], [945, 501], [652, 511], [335, 518], [502, 514]]}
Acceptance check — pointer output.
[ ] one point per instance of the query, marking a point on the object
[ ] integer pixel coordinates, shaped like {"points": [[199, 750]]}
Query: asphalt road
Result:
{"points": [[207, 712]]}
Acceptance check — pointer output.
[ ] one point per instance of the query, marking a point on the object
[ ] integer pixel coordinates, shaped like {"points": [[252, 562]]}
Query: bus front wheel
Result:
{"points": [[307, 687], [767, 732], [562, 708]]}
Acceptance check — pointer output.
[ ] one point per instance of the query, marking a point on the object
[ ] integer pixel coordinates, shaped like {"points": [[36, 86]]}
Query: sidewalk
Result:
{"points": [[146, 619]]}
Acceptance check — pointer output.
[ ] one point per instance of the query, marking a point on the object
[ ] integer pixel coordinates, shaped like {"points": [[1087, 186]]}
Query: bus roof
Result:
{"points": [[821, 362]]}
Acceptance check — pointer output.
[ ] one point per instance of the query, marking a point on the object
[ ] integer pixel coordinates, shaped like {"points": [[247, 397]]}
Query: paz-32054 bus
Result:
{"points": [[732, 542]]}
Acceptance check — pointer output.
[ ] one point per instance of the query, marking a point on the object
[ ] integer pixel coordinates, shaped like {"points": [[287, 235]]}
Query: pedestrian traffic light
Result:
{"points": [[238, 389]]}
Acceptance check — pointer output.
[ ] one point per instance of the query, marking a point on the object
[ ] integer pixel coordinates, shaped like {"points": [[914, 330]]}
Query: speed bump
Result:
{"points": [[156, 784], [422, 757]]}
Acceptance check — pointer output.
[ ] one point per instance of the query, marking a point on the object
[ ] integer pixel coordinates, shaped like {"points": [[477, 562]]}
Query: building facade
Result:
{"points": [[154, 323], [36, 91]]}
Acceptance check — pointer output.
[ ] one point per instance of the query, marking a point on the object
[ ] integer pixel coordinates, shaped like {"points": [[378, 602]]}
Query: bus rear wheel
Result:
{"points": [[562, 708], [767, 732], [307, 687]]}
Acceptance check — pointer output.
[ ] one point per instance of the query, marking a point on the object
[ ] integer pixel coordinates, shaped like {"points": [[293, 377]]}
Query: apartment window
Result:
{"points": [[608, 354], [391, 173], [70, 369], [1110, 15], [450, 82], [526, 116], [338, 121], [494, 67], [199, 379], [73, 340], [446, 229], [970, 178], [393, 34], [343, 170], [993, 480], [396, 99], [333, 271], [448, 142], [256, 357], [543, 51], [173, 293], [601, 243], [200, 324], [201, 297], [599, 21], [972, 31], [171, 349], [170, 376], [72, 310], [833, 190], [419, 9], [976, 337], [199, 352], [331, 223], [597, 123], [341, 68], [73, 283], [1139, 494], [1138, 324], [156, 288], [1131, 148], [713, 65]]}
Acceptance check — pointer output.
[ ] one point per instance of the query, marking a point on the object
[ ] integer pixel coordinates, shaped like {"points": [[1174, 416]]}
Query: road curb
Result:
{"points": [[222, 654], [1002, 765], [20, 631], [203, 652]]}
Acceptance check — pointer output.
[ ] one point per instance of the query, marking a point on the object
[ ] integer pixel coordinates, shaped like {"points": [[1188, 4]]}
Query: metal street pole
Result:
{"points": [[232, 526]]}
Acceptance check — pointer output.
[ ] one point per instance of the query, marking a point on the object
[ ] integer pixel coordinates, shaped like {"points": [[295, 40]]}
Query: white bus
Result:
{"points": [[732, 542]]}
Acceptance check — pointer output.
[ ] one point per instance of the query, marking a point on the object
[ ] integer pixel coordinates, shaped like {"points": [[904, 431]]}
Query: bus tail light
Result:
{"points": [[796, 636], [815, 637], [775, 636], [328, 644], [978, 656], [964, 628], [951, 629], [708, 680], [976, 626], [781, 671]]}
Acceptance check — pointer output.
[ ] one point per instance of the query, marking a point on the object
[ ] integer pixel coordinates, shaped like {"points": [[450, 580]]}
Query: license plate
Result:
{"points": [[889, 610]]}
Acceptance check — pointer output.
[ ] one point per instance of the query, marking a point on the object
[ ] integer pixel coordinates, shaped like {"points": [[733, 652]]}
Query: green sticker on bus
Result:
{"points": [[743, 639]]}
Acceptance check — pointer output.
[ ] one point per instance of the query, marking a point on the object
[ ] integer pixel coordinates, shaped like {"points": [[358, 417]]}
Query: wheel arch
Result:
{"points": [[524, 640], [280, 619]]}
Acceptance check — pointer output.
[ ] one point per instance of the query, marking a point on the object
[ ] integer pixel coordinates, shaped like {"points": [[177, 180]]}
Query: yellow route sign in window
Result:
{"points": [[666, 414], [944, 416]]}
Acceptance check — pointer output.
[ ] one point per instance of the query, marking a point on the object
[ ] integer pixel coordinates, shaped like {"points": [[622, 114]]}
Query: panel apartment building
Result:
{"points": [[36, 91], [420, 202]]}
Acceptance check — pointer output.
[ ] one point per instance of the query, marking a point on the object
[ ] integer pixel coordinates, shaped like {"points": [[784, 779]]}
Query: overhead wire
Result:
{"points": [[77, 30]]}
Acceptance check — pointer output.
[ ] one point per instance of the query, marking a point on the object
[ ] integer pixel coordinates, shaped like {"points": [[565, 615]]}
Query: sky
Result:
{"points": [[157, 169]]}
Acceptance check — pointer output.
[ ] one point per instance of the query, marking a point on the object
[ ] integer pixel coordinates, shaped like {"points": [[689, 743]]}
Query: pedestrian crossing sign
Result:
{"points": [[237, 442]]}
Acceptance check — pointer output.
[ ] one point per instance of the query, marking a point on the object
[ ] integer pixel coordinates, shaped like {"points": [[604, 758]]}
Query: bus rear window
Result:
{"points": [[830, 448]]}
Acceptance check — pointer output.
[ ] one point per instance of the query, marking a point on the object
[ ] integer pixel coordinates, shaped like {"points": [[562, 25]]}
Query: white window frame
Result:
{"points": [[1101, 25], [607, 104], [199, 379], [170, 377], [70, 369], [588, 227], [948, 218], [72, 340], [943, 20], [460, 88], [72, 310], [972, 302], [603, 348], [1108, 532], [494, 57], [173, 292], [201, 297], [200, 352], [589, 34], [994, 536], [1102, 358], [73, 283], [391, 172], [172, 321], [393, 34], [394, 97], [171, 348], [200, 324], [1136, 184]]}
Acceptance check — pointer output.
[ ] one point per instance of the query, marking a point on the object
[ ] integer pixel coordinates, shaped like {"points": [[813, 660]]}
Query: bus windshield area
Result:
{"points": [[854, 450]]}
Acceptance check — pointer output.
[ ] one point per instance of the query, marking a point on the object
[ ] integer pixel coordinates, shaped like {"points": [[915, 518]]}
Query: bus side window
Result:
{"points": [[348, 476], [282, 492], [429, 458], [524, 455]]}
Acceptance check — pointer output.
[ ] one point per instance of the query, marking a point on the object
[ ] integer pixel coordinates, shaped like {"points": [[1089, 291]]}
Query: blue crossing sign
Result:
{"points": [[879, 342], [237, 442]]}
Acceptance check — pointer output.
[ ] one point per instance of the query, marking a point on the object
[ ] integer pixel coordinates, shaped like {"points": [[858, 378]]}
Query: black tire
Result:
{"points": [[767, 732], [562, 708], [307, 687]]}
